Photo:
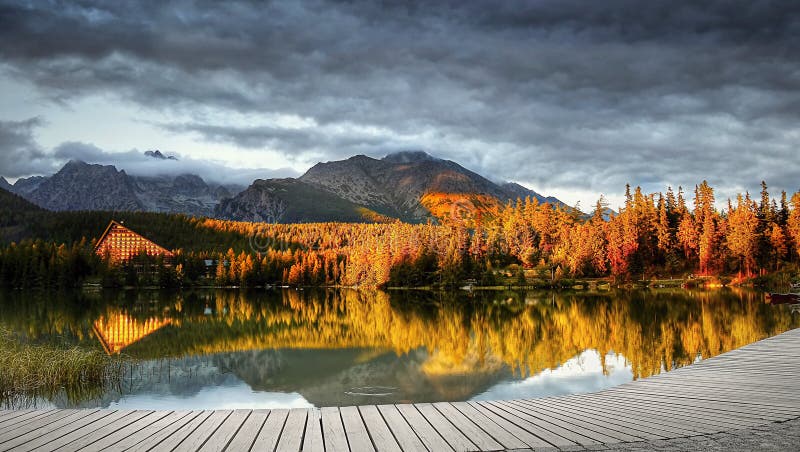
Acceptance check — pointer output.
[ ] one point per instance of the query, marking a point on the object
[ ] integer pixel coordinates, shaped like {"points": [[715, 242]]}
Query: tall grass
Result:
{"points": [[42, 370]]}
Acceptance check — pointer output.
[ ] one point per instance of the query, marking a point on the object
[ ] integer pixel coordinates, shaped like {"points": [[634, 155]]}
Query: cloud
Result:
{"points": [[561, 95], [20, 155], [136, 163]]}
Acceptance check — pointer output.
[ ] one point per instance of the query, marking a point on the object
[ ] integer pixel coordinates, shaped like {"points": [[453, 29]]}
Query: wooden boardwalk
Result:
{"points": [[754, 385]]}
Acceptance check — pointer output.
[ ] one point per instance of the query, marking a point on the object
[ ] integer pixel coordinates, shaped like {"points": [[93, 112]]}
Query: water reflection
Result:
{"points": [[587, 372], [214, 349]]}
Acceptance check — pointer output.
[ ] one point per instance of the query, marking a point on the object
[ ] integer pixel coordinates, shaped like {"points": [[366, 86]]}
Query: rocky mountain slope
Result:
{"points": [[410, 186], [289, 201], [5, 185], [26, 185], [83, 186]]}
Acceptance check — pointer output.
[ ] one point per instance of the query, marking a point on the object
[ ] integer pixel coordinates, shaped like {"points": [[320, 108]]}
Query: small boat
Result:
{"points": [[783, 298]]}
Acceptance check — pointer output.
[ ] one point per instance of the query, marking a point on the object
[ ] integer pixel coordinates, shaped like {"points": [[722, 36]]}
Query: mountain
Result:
{"points": [[83, 186], [5, 185], [158, 155], [26, 185], [411, 186], [290, 201], [185, 193]]}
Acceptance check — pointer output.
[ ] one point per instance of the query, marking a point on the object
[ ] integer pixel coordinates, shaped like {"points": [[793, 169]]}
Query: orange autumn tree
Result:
{"points": [[742, 237]]}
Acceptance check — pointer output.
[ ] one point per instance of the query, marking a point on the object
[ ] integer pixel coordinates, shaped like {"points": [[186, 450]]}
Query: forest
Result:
{"points": [[652, 235]]}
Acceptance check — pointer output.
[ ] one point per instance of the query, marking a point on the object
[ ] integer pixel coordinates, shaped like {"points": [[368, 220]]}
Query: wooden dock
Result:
{"points": [[754, 385]]}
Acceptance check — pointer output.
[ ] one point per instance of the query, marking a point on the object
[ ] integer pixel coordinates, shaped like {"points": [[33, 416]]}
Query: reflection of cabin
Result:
{"points": [[121, 244], [118, 331]]}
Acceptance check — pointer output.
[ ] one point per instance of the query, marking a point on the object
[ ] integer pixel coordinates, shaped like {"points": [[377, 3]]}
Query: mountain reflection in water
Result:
{"points": [[236, 349]]}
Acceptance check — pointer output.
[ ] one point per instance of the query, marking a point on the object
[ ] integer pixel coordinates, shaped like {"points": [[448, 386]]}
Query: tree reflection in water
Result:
{"points": [[326, 346]]}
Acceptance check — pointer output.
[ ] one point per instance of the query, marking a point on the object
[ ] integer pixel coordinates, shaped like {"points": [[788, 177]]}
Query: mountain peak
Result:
{"points": [[159, 155], [409, 157], [75, 163]]}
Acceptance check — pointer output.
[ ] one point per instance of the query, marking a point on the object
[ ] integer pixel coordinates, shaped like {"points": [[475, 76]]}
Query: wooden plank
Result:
{"points": [[726, 408], [625, 412], [246, 436], [39, 427], [29, 425], [98, 432], [487, 418], [619, 434], [691, 422], [293, 429], [569, 433], [532, 428], [267, 439], [589, 431], [200, 435], [691, 384], [426, 433], [449, 432], [67, 441], [36, 437], [9, 416], [380, 433], [355, 430], [172, 434], [406, 438], [475, 434], [696, 414], [312, 441], [26, 417], [219, 440], [601, 413], [126, 436], [333, 430]]}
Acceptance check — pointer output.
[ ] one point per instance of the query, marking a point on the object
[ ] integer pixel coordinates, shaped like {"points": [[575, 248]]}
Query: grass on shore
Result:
{"points": [[30, 370]]}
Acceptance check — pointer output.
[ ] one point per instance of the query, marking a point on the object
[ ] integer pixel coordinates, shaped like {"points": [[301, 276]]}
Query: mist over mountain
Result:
{"points": [[83, 186], [410, 186]]}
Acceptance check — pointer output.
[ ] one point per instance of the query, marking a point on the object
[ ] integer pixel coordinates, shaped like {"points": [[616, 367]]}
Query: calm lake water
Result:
{"points": [[268, 349]]}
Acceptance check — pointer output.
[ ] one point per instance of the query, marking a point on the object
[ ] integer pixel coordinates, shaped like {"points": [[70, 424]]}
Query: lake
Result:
{"points": [[211, 349]]}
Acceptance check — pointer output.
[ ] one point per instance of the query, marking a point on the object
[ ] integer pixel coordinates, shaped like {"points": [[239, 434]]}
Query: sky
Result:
{"points": [[570, 98]]}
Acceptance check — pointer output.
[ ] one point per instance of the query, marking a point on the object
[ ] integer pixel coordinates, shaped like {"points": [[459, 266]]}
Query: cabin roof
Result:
{"points": [[113, 223]]}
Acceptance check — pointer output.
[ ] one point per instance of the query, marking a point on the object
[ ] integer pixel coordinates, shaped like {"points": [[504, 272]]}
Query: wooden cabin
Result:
{"points": [[121, 244]]}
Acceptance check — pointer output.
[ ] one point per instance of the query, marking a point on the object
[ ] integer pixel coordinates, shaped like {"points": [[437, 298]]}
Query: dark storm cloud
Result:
{"points": [[19, 153], [560, 94]]}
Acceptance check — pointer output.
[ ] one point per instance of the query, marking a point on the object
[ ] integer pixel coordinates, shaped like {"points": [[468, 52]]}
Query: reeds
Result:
{"points": [[31, 370]]}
